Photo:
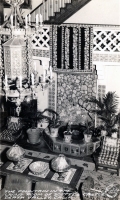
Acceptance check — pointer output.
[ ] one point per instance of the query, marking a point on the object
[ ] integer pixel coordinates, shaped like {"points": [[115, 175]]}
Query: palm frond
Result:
{"points": [[106, 110], [110, 101], [98, 102]]}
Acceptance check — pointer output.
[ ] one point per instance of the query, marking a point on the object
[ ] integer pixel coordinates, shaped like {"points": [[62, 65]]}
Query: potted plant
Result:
{"points": [[34, 121], [106, 110], [88, 131], [68, 133], [31, 125], [54, 124]]}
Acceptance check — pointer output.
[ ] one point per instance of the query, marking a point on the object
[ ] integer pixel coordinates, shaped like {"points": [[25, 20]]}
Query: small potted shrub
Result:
{"points": [[54, 124], [68, 133], [88, 131]]}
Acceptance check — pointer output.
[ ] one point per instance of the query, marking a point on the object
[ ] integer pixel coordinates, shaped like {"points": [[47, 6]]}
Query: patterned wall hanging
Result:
{"points": [[72, 47], [1, 51]]}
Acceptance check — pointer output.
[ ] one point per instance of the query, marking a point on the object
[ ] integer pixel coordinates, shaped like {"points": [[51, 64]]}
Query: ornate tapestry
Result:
{"points": [[71, 47]]}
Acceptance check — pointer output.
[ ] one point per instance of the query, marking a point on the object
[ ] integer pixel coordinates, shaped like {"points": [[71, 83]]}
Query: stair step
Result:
{"points": [[57, 14], [57, 11], [74, 2], [62, 10], [69, 6]]}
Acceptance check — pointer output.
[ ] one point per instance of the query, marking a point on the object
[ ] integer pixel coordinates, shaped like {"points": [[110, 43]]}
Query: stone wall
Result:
{"points": [[74, 89]]}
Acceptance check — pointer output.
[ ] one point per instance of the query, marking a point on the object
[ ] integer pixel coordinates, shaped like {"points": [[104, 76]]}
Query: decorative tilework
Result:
{"points": [[52, 96], [101, 57], [41, 53]]}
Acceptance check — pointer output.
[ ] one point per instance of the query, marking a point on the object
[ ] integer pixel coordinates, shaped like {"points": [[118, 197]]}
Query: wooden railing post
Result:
{"points": [[1, 12]]}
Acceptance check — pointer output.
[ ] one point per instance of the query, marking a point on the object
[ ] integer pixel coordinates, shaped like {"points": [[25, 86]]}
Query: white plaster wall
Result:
{"points": [[110, 77], [98, 12]]}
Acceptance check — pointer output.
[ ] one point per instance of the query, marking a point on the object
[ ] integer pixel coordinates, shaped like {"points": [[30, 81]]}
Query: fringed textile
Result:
{"points": [[75, 48], [1, 62], [51, 38], [67, 34], [54, 44], [72, 47]]}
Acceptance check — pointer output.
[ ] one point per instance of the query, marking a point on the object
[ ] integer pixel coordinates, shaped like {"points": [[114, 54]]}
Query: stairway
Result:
{"points": [[57, 11]]}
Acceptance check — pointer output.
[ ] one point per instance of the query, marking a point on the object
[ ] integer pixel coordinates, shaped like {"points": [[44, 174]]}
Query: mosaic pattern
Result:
{"points": [[52, 96], [16, 62], [41, 53], [74, 89], [101, 57], [7, 62], [100, 93], [65, 47]]}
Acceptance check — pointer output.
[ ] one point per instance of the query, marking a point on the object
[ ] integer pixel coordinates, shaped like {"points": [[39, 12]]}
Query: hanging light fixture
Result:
{"points": [[20, 78]]}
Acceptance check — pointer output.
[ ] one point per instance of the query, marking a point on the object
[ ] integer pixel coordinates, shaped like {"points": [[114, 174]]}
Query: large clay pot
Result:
{"points": [[33, 135]]}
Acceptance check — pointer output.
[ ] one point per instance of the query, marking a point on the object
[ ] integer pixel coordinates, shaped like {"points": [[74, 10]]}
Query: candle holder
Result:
{"points": [[21, 74]]}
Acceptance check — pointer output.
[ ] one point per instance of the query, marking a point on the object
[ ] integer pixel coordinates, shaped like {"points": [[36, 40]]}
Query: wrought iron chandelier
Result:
{"points": [[21, 78]]}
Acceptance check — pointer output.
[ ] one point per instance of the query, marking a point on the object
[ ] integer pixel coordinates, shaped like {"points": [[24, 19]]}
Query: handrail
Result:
{"points": [[36, 8]]}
